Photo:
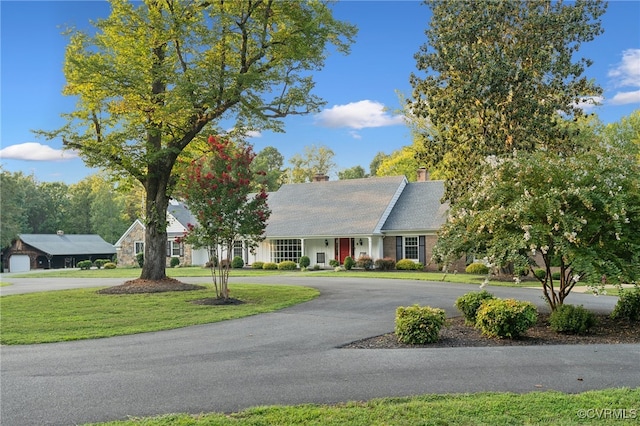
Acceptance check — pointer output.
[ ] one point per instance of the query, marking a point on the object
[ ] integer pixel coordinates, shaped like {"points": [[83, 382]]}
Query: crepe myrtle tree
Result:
{"points": [[580, 212], [217, 189], [157, 75]]}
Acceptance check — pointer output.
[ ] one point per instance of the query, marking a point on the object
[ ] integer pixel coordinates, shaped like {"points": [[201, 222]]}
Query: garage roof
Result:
{"points": [[63, 244]]}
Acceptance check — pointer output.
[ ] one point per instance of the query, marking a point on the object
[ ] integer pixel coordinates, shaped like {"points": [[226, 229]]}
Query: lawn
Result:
{"points": [[83, 314], [603, 407]]}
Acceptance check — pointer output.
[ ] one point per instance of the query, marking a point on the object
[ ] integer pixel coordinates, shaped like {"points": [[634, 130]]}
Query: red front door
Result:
{"points": [[344, 248]]}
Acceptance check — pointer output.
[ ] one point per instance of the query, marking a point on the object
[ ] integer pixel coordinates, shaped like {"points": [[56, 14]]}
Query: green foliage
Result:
{"points": [[505, 318], [316, 160], [304, 261], [174, 262], [287, 265], [364, 262], [497, 84], [334, 263], [237, 262], [418, 325], [355, 172], [84, 264], [270, 266], [257, 265], [406, 265], [349, 263], [628, 305], [268, 161], [540, 273], [477, 269], [385, 264], [99, 263], [110, 265], [469, 304], [140, 259], [556, 275], [580, 209], [571, 319], [143, 100]]}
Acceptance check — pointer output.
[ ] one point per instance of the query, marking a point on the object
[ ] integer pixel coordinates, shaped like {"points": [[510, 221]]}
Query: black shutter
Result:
{"points": [[421, 249], [399, 248]]}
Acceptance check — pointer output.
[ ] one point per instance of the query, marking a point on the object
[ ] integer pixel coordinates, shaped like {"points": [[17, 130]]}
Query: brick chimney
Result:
{"points": [[319, 177], [423, 175]]}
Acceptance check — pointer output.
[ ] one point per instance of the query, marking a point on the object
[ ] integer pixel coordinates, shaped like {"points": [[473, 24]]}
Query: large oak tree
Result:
{"points": [[500, 76], [157, 74]]}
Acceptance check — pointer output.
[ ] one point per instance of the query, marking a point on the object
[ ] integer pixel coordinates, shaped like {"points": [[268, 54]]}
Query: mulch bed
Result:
{"points": [[457, 334], [139, 286]]}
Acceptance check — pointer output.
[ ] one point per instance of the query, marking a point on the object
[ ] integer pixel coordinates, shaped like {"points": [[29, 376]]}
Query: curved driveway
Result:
{"points": [[288, 357]]}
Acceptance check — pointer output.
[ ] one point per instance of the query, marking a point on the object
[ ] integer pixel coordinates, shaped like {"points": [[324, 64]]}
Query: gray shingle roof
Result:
{"points": [[182, 214], [418, 208], [332, 208], [57, 245]]}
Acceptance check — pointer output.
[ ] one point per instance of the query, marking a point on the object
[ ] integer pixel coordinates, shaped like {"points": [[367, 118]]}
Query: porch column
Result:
{"points": [[302, 251]]}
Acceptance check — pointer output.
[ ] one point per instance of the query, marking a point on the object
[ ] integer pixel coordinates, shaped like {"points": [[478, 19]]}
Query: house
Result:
{"points": [[178, 218], [53, 251], [324, 220]]}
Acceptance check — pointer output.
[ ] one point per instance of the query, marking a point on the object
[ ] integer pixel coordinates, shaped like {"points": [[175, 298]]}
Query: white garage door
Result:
{"points": [[19, 263]]}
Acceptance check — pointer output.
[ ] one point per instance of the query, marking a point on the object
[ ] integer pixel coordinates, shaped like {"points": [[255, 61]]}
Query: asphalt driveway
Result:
{"points": [[288, 357]]}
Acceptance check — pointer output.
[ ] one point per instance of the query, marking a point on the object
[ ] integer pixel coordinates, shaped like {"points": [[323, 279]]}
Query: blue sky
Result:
{"points": [[361, 89]]}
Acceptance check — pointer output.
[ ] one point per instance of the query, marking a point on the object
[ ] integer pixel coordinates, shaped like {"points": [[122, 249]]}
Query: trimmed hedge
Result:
{"points": [[175, 261], [385, 264], [406, 265], [304, 261], [270, 266], [571, 319], [257, 265], [84, 264], [417, 325], [109, 265], [287, 265], [364, 262], [628, 306], [349, 263], [477, 269], [506, 318], [469, 304], [237, 262]]}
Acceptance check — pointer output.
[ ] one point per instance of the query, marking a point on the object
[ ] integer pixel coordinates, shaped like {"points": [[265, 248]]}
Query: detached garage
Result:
{"points": [[54, 251]]}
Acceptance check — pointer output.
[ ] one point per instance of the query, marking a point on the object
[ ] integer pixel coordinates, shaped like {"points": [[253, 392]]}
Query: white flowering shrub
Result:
{"points": [[580, 210]]}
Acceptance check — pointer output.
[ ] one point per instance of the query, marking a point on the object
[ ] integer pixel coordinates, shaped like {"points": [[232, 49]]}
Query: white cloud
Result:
{"points": [[33, 151], [627, 72], [358, 115], [589, 103], [623, 98]]}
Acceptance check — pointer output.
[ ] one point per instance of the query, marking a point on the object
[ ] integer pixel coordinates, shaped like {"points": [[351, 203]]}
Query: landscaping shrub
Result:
{"points": [[99, 263], [349, 263], [175, 261], [364, 262], [385, 264], [628, 306], [417, 325], [571, 319], [418, 266], [237, 262], [555, 276], [287, 265], [540, 273], [304, 262], [109, 265], [84, 264], [469, 303], [477, 269], [257, 265], [316, 267], [334, 263], [270, 266], [140, 259], [405, 265], [505, 318]]}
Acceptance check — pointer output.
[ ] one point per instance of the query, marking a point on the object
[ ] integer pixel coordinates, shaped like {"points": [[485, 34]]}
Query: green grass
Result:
{"points": [[83, 314], [194, 271], [551, 407]]}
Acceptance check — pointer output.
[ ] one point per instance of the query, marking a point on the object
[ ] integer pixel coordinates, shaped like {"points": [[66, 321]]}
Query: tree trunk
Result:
{"points": [[155, 247]]}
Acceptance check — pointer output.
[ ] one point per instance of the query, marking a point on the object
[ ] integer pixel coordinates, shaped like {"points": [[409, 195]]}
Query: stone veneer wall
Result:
{"points": [[126, 255]]}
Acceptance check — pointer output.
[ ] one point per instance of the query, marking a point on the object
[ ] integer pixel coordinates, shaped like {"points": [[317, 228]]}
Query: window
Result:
{"points": [[138, 247], [286, 250], [174, 249], [411, 248], [237, 249]]}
